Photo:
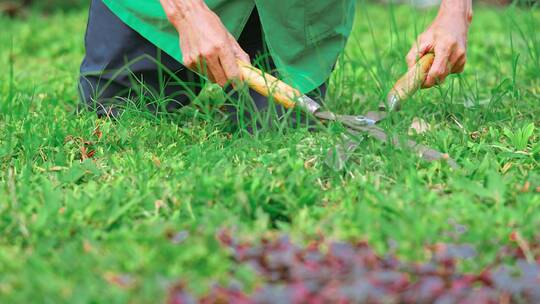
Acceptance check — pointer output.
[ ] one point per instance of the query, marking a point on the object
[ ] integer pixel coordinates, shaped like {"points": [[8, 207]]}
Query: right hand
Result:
{"points": [[447, 39], [207, 46]]}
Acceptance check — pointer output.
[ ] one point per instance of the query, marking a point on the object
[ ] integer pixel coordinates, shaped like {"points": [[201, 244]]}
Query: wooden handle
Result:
{"points": [[410, 83], [268, 85]]}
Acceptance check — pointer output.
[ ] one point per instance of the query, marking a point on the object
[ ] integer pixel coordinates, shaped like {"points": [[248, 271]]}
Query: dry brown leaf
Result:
{"points": [[158, 205], [418, 126], [87, 247], [85, 154], [123, 281], [156, 161], [475, 135], [506, 167], [525, 188], [310, 163], [515, 236], [97, 133], [57, 168]]}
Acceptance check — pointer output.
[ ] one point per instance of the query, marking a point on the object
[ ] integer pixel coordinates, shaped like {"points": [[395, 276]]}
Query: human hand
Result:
{"points": [[207, 46], [446, 37]]}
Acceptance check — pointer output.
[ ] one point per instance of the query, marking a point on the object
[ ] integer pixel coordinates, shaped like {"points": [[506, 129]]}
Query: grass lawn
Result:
{"points": [[70, 227]]}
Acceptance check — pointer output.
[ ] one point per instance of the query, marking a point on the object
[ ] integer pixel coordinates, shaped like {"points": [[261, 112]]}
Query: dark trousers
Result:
{"points": [[120, 65]]}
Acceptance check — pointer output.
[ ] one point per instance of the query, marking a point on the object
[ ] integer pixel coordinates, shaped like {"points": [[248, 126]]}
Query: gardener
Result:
{"points": [[131, 45]]}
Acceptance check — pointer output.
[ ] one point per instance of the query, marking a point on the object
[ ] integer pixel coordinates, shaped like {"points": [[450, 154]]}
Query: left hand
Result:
{"points": [[446, 37]]}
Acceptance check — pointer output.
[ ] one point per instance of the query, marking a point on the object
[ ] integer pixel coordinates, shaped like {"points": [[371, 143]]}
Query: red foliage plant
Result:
{"points": [[354, 273]]}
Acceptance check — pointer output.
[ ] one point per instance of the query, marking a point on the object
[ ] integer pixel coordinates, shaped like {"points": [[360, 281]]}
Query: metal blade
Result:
{"points": [[308, 104], [425, 152], [337, 157], [347, 120]]}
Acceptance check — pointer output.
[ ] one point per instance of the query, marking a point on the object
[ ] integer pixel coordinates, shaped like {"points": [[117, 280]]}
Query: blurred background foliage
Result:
{"points": [[16, 8], [21, 7]]}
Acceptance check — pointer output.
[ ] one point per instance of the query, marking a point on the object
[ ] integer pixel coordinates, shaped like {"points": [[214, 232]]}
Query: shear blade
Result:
{"points": [[338, 156], [347, 120]]}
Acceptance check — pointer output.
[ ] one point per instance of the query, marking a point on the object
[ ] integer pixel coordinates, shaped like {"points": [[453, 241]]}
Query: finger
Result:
{"points": [[229, 64], [190, 59], [192, 62], [458, 60], [201, 67], [417, 51], [240, 54], [238, 51], [440, 69], [216, 70], [459, 67]]}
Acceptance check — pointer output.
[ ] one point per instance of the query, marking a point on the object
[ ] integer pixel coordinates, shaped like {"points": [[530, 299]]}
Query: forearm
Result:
{"points": [[206, 44], [181, 10], [447, 38], [458, 8]]}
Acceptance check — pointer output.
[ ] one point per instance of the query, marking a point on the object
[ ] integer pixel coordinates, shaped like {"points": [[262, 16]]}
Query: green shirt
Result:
{"points": [[304, 37]]}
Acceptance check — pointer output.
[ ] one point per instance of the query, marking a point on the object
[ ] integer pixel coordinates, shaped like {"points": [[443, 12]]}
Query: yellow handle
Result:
{"points": [[268, 85], [411, 82]]}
